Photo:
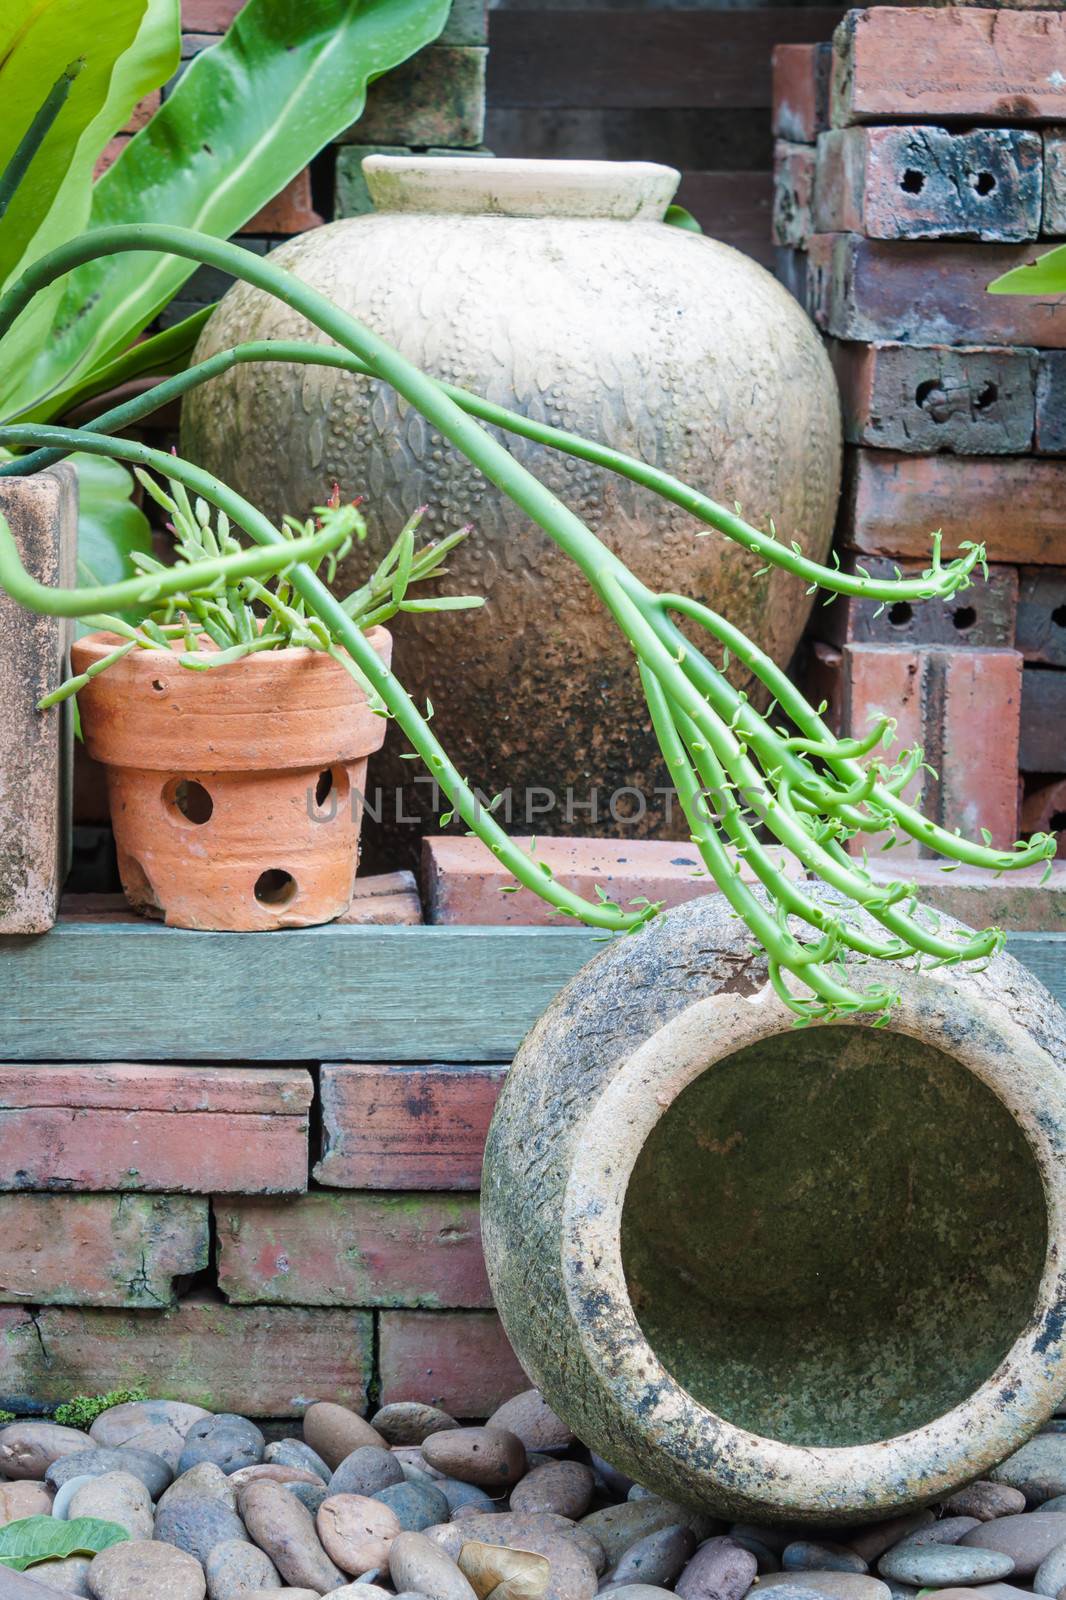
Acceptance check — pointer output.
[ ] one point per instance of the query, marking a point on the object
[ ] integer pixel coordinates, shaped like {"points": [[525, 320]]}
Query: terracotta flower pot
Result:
{"points": [[809, 1274], [235, 793]]}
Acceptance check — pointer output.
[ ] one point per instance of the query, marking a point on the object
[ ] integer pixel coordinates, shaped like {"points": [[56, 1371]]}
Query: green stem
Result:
{"points": [[939, 583], [36, 133]]}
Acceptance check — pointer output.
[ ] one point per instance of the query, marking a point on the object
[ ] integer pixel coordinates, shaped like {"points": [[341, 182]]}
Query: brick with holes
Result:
{"points": [[1050, 421], [1044, 811], [966, 399], [1054, 183], [1041, 635], [982, 615], [930, 183], [1043, 739]]}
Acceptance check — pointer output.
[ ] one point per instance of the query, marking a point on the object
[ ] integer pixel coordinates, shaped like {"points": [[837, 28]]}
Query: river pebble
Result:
{"points": [[1050, 1575], [805, 1555], [415, 1505], [198, 1526], [985, 1500], [407, 1422], [205, 1481], [28, 1449], [370, 1467], [285, 1529], [294, 1453], [334, 1432], [231, 1442], [69, 1576], [721, 1569], [1038, 1469], [235, 1566], [618, 1527], [116, 1497], [1027, 1539], [121, 1424], [415, 1562], [93, 1463], [656, 1560], [937, 1566], [564, 1487], [530, 1418], [26, 1498], [827, 1585], [492, 1458], [143, 1568]]}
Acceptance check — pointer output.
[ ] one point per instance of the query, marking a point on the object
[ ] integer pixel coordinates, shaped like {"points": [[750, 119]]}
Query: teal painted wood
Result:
{"points": [[100, 991]]}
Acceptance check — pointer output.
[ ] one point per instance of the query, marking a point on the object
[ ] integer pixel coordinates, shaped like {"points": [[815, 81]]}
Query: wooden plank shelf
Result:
{"points": [[114, 990]]}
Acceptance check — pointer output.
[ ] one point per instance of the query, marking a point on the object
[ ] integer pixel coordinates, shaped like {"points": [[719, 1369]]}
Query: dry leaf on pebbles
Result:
{"points": [[502, 1573]]}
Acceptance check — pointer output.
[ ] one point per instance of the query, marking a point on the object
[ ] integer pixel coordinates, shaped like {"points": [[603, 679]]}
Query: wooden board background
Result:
{"points": [[688, 86], [138, 991]]}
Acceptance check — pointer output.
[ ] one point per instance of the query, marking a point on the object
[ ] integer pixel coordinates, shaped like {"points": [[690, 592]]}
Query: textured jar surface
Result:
{"points": [[668, 346], [810, 1274]]}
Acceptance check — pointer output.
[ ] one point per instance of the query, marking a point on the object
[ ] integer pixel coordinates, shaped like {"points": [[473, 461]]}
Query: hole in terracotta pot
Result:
{"points": [[964, 617], [275, 887], [159, 686], [138, 886], [323, 786], [834, 1236], [189, 800]]}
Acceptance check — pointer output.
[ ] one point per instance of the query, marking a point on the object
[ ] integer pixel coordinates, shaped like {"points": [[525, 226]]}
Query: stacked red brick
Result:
{"points": [[918, 157]]}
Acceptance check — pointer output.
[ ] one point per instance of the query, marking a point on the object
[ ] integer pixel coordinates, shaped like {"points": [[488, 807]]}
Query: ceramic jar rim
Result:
{"points": [[878, 1474], [503, 186]]}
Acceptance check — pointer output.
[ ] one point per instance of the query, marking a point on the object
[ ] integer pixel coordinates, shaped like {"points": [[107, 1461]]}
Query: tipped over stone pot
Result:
{"points": [[812, 1274], [551, 288]]}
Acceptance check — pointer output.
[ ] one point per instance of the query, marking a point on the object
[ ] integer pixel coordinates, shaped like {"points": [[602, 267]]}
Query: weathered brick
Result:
{"points": [[36, 748], [400, 1127], [1041, 635], [963, 707], [352, 1250], [925, 399], [1015, 901], [259, 1361], [385, 899], [1043, 741], [928, 183], [801, 90], [405, 1127], [458, 1360], [143, 112], [463, 883], [110, 154], [99, 1249], [793, 192], [1054, 219], [790, 269], [198, 1130], [435, 98], [981, 616], [1050, 435], [291, 211], [1013, 504], [922, 64], [1044, 811], [921, 292]]}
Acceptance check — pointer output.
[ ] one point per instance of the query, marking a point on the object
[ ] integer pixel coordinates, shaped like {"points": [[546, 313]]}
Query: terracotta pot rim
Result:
{"points": [[1002, 1410], [102, 643]]}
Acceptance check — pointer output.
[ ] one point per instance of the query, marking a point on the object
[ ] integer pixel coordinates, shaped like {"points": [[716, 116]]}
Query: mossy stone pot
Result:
{"points": [[235, 792], [810, 1274], [551, 288]]}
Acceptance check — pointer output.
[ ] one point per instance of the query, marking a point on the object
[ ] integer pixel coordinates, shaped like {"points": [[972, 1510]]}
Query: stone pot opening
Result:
{"points": [[834, 1236]]}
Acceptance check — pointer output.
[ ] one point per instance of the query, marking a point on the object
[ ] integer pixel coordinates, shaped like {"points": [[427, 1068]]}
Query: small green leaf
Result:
{"points": [[678, 217], [34, 1539], [1045, 275], [110, 527]]}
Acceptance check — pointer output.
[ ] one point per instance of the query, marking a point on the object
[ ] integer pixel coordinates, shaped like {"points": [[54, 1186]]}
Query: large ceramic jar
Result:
{"points": [[555, 289]]}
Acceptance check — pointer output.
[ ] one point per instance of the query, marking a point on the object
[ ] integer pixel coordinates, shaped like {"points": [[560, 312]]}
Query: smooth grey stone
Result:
{"points": [[152, 1470], [827, 1585], [410, 1422], [616, 1482], [638, 1492], [365, 1471], [231, 1442], [1028, 1539], [460, 1494], [658, 1559], [236, 1566], [949, 1530], [1050, 1576], [1038, 1469], [66, 1492], [197, 1526], [986, 1500], [941, 1566], [804, 1555], [721, 1569], [310, 1495], [770, 1537], [116, 1497], [1057, 1504], [901, 1591], [205, 1481], [415, 1505], [1054, 1425], [637, 1591], [294, 1453]]}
